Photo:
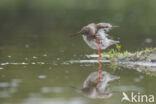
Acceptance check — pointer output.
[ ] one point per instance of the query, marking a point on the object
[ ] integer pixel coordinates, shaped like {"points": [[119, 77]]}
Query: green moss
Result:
{"points": [[116, 53]]}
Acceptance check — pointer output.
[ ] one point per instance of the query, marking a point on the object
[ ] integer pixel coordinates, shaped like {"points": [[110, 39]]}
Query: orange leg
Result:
{"points": [[98, 59]]}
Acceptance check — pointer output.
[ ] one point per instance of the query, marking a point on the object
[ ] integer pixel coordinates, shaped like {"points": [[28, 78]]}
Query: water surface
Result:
{"points": [[36, 49]]}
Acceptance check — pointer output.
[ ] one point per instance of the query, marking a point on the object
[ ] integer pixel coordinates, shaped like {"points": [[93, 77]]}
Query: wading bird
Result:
{"points": [[95, 34]]}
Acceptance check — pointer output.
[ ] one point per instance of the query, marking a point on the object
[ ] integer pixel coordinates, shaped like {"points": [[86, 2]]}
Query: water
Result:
{"points": [[40, 61]]}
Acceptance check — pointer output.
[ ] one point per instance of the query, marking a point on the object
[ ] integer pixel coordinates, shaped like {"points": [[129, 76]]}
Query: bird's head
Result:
{"points": [[85, 31]]}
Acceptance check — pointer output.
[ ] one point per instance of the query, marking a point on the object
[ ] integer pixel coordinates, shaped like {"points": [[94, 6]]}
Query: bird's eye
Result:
{"points": [[106, 26]]}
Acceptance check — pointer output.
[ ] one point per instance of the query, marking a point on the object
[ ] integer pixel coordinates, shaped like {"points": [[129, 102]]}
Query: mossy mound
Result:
{"points": [[146, 55]]}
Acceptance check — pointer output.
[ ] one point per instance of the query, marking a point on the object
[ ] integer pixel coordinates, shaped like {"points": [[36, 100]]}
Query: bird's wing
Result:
{"points": [[109, 37], [101, 34]]}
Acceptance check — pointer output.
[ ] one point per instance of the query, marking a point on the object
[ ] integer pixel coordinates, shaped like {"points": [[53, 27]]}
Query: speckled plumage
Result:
{"points": [[100, 30]]}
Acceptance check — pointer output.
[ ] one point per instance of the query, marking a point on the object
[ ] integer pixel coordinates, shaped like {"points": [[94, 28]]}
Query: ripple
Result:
{"points": [[52, 90], [14, 63], [4, 84], [9, 88], [45, 55], [20, 63], [1, 68], [129, 88], [42, 76], [88, 61]]}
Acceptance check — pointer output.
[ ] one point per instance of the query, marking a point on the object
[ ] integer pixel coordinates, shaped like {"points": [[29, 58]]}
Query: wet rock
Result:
{"points": [[144, 61], [144, 56]]}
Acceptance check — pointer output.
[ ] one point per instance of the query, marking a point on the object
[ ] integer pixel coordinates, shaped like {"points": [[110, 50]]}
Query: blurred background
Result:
{"points": [[35, 40]]}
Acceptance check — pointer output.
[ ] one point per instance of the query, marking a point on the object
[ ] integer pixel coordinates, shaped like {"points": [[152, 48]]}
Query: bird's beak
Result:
{"points": [[76, 34], [114, 26]]}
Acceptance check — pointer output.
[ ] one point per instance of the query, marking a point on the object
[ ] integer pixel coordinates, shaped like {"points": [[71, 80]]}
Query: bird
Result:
{"points": [[91, 90], [93, 32]]}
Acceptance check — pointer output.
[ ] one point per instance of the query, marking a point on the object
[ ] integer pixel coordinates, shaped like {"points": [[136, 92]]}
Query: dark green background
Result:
{"points": [[31, 28]]}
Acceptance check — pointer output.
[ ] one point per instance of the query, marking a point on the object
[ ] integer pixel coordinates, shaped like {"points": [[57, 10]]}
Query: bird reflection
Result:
{"points": [[93, 90]]}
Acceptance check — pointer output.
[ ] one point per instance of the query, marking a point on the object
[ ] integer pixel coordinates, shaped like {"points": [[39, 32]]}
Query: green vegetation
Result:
{"points": [[116, 53]]}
